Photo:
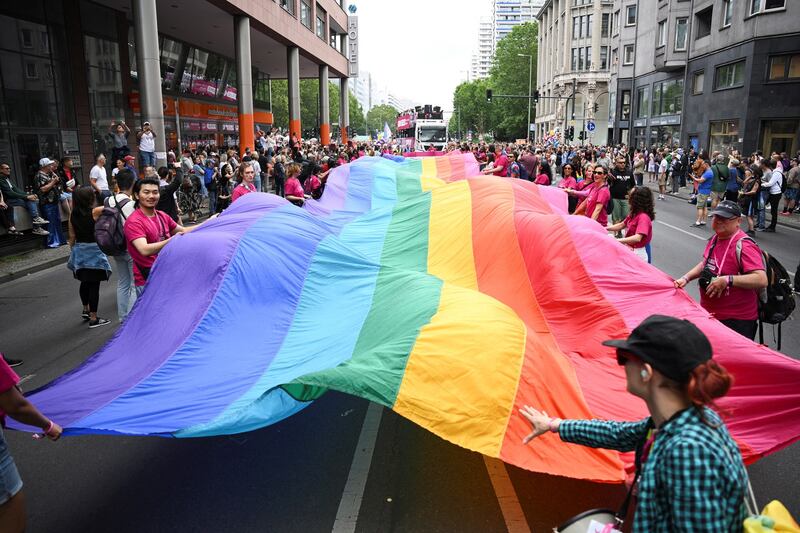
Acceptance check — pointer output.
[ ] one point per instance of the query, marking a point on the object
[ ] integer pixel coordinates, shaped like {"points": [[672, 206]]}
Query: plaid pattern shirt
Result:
{"points": [[693, 478]]}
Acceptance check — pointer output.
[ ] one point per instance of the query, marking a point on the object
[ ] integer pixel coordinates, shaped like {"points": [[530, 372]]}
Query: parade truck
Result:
{"points": [[421, 128]]}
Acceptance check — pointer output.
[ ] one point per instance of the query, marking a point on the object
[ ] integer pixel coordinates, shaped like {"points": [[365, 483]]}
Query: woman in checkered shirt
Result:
{"points": [[692, 478]]}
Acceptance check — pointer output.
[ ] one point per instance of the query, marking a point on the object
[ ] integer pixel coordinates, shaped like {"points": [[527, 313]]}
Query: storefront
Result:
{"points": [[724, 136], [37, 115], [781, 135]]}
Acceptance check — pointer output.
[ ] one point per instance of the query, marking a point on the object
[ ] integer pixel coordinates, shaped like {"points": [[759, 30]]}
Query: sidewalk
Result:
{"points": [[16, 266], [791, 221]]}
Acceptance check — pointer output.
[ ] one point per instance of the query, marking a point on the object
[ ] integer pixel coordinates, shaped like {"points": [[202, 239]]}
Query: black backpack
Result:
{"points": [[108, 229], [776, 302]]}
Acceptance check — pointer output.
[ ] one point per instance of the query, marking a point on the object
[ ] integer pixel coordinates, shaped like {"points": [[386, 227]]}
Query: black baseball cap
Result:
{"points": [[671, 345], [727, 209]]}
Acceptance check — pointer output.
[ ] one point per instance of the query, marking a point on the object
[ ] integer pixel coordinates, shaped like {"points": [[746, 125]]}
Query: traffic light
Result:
{"points": [[488, 95], [535, 96], [596, 107], [582, 135], [570, 133]]}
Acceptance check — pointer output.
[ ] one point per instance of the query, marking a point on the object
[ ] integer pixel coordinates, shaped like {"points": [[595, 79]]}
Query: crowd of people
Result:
{"points": [[610, 185]]}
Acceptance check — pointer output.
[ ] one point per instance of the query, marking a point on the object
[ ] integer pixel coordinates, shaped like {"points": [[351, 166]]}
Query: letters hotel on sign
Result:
{"points": [[352, 46]]}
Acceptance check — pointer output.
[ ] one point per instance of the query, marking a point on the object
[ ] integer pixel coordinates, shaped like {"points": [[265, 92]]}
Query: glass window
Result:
{"points": [[574, 59], [288, 5], [777, 67], [576, 28], [172, 54], [626, 105], [604, 27], [697, 81], [729, 76], [703, 22], [630, 15], [584, 26], [681, 26], [580, 58], [724, 136], [604, 58], [305, 13], [755, 6], [29, 91], [589, 26], [657, 88], [627, 54], [104, 78], [774, 4], [727, 13], [322, 23], [204, 73], [642, 102], [662, 33], [785, 67]]}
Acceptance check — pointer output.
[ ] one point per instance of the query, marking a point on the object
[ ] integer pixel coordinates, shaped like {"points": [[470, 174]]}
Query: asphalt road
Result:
{"points": [[290, 477]]}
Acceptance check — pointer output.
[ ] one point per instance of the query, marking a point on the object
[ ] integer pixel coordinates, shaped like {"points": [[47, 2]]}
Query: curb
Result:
{"points": [[11, 276], [685, 197]]}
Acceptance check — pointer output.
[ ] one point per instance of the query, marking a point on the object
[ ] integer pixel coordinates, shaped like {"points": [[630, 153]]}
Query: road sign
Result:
{"points": [[590, 126]]}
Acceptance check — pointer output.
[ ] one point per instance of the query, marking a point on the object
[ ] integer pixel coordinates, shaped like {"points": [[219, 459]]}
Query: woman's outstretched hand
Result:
{"points": [[539, 420]]}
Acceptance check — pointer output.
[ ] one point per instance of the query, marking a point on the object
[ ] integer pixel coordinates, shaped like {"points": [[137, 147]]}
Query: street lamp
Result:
{"points": [[530, 88]]}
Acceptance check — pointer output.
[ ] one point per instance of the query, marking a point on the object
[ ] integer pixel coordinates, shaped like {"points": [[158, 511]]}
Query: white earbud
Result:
{"points": [[644, 374]]}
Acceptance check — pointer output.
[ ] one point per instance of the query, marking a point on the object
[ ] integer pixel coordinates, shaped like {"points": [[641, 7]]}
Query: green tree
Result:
{"points": [[471, 111], [379, 115], [509, 75]]}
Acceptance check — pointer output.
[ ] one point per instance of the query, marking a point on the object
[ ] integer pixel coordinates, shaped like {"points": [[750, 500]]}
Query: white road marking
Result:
{"points": [[353, 494], [506, 496], [689, 233]]}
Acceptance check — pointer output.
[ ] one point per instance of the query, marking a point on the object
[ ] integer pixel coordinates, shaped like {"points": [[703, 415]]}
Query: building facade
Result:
{"points": [[573, 69], [198, 71], [506, 15], [711, 75]]}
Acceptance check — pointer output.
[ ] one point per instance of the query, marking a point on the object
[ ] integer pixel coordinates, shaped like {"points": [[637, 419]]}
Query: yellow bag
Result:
{"points": [[773, 519]]}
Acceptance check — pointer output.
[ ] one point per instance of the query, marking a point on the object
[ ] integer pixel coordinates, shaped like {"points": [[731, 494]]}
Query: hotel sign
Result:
{"points": [[352, 45]]}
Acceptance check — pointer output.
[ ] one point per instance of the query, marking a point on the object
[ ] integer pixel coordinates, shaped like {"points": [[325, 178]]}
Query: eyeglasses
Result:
{"points": [[599, 172]]}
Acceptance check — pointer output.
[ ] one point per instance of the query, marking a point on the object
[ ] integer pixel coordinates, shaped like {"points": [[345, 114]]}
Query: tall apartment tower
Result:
{"points": [[574, 59], [506, 14], [715, 75], [482, 58]]}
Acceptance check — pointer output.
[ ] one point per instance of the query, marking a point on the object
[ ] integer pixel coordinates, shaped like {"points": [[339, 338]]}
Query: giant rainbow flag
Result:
{"points": [[450, 298]]}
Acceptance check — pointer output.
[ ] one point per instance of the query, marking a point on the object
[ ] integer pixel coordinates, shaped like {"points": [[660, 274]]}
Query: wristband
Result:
{"points": [[730, 280], [553, 425], [685, 279], [49, 428]]}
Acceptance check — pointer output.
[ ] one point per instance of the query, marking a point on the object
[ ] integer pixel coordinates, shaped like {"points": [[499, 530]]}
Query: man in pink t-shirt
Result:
{"points": [[729, 283], [500, 166], [148, 230]]}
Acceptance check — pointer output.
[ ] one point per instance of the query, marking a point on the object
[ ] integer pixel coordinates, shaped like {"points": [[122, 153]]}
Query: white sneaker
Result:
{"points": [[40, 231], [40, 221]]}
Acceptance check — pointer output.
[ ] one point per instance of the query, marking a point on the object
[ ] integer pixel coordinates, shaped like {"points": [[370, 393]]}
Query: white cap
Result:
{"points": [[45, 161]]}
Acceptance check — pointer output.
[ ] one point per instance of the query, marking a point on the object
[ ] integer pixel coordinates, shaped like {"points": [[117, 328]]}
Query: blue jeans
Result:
{"points": [[53, 215], [30, 205], [148, 159], [762, 209], [212, 202], [126, 293], [257, 182], [10, 482]]}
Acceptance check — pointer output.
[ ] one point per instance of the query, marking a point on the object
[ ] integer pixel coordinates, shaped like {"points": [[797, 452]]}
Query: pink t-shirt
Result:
{"points": [[601, 196], [542, 179], [639, 224], [155, 229], [8, 379], [242, 189], [736, 303], [292, 187], [567, 183], [501, 166]]}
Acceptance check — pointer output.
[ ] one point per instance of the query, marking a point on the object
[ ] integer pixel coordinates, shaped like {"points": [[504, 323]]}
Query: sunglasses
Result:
{"points": [[599, 172]]}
